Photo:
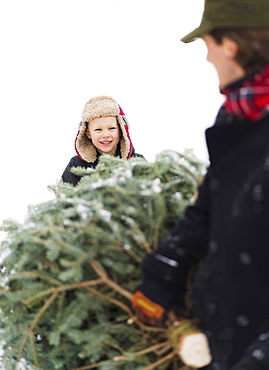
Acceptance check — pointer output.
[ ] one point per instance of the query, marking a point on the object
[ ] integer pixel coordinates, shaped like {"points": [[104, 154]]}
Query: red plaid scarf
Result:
{"points": [[250, 99]]}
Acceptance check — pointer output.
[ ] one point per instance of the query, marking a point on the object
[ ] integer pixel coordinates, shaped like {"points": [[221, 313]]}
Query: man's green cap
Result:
{"points": [[231, 14]]}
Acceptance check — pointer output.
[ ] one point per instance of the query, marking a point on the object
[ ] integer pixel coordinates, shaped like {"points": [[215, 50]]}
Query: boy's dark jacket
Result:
{"points": [[75, 161], [228, 229]]}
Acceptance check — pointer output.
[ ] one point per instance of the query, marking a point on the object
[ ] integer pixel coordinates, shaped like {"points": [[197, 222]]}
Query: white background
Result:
{"points": [[57, 54]]}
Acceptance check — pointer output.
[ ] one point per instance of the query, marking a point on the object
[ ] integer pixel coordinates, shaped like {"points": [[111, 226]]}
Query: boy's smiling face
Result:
{"points": [[105, 134]]}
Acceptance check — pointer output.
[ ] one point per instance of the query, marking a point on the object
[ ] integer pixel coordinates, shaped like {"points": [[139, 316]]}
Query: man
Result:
{"points": [[226, 231]]}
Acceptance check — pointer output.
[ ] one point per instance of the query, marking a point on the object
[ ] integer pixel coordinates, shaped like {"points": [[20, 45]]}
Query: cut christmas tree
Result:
{"points": [[70, 269]]}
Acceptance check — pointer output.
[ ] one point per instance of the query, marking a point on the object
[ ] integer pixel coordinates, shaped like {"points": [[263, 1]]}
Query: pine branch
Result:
{"points": [[63, 288], [111, 300], [142, 352], [134, 355], [100, 271], [162, 360], [34, 323]]}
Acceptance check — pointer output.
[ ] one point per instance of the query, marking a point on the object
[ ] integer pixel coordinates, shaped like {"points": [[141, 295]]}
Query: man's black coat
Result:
{"points": [[227, 229]]}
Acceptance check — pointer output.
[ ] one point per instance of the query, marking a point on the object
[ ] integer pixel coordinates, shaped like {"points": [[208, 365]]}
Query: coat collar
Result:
{"points": [[230, 136]]}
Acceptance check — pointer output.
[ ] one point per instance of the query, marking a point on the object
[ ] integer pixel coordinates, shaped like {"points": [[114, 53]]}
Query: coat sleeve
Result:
{"points": [[137, 155], [166, 269], [256, 356], [68, 176]]}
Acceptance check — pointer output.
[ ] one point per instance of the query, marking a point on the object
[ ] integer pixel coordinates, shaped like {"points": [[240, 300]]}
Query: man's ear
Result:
{"points": [[230, 47]]}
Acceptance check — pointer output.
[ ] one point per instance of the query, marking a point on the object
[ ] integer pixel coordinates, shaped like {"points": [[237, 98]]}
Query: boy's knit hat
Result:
{"points": [[101, 106], [231, 14]]}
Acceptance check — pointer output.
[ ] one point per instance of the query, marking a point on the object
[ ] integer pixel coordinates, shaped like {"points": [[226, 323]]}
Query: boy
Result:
{"points": [[104, 130], [226, 231]]}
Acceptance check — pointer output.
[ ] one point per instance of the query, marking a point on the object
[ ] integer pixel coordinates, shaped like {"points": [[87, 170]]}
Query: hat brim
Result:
{"points": [[198, 32]]}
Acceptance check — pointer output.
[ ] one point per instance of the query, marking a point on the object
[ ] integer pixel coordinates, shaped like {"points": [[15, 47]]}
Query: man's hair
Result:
{"points": [[253, 46]]}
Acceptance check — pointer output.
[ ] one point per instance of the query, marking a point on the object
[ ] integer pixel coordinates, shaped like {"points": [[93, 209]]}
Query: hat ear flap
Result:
{"points": [[84, 146], [126, 146]]}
